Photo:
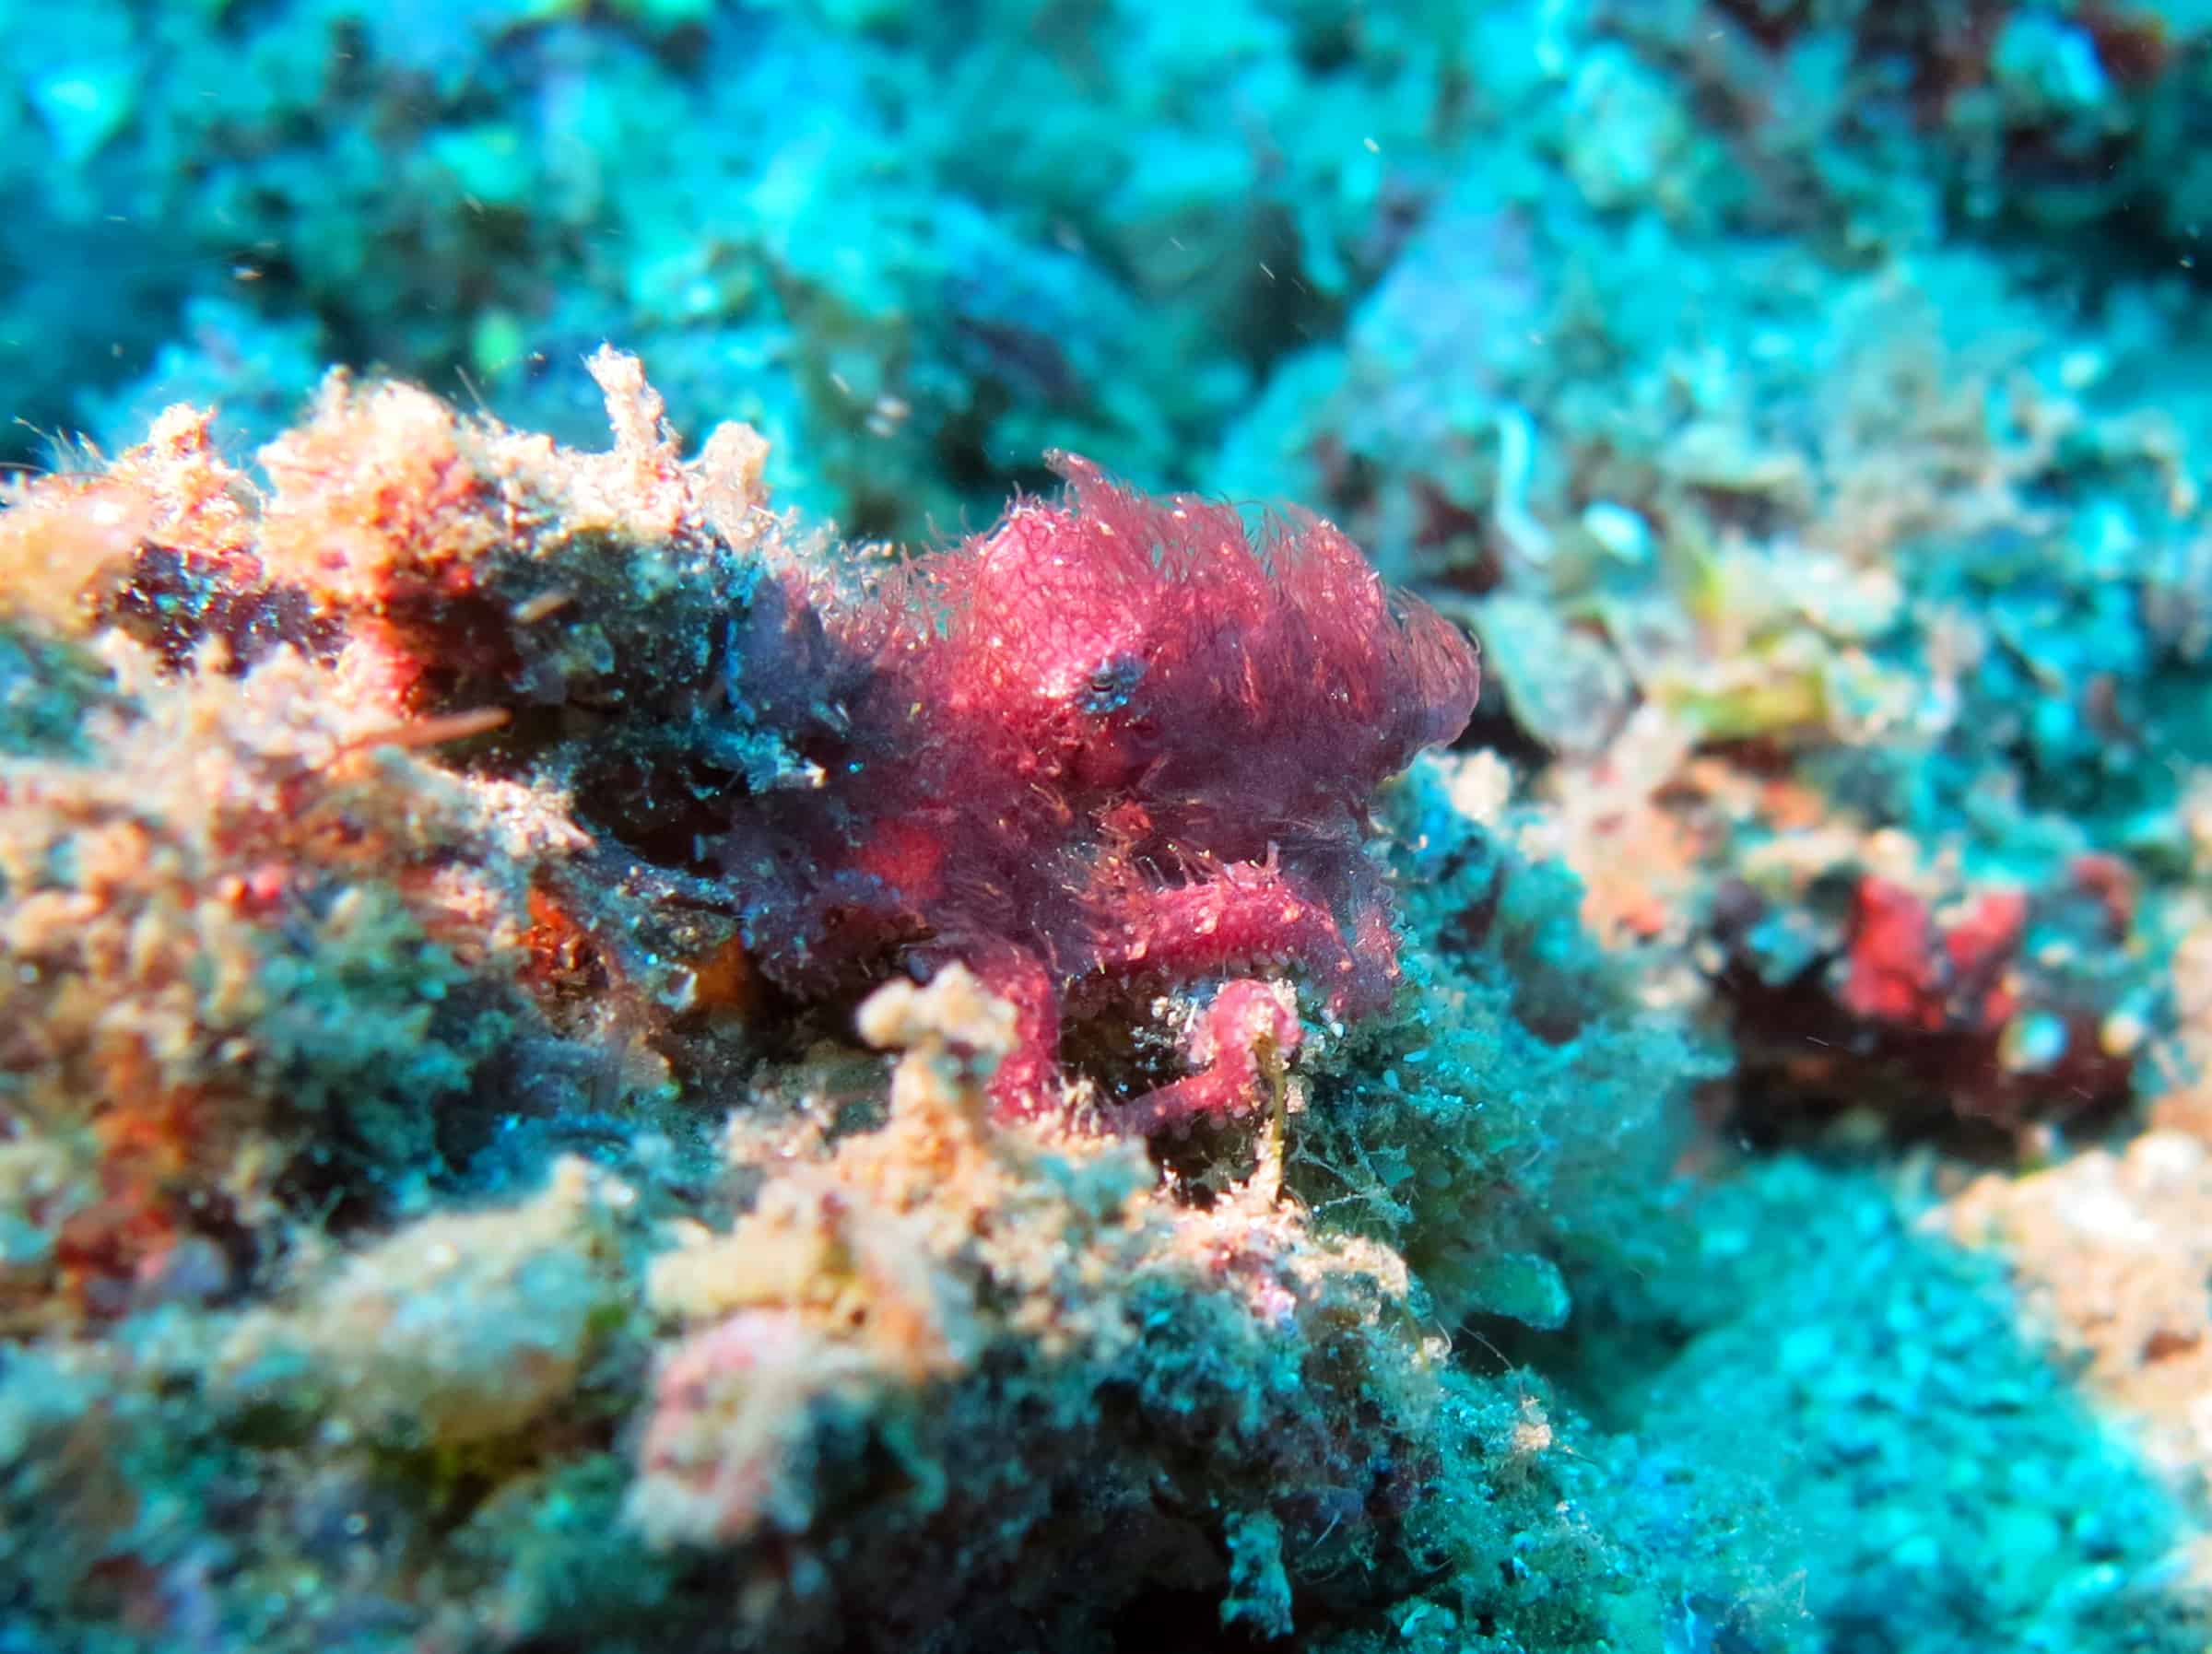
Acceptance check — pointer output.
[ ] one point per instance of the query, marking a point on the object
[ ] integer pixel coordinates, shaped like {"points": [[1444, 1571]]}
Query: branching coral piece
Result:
{"points": [[1112, 745]]}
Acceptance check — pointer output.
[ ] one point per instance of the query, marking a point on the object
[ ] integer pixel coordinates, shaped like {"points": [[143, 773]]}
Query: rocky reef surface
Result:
{"points": [[811, 989]]}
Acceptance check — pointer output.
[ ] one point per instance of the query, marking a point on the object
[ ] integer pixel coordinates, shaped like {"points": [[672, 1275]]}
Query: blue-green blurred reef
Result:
{"points": [[655, 995]]}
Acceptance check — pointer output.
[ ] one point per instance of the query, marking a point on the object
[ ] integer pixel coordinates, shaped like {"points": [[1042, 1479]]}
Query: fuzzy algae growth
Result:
{"points": [[585, 1067], [420, 1200], [503, 1152]]}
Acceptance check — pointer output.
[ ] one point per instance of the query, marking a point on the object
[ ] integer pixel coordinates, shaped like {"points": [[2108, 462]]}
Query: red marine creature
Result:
{"points": [[1907, 973], [1112, 747], [1997, 1008]]}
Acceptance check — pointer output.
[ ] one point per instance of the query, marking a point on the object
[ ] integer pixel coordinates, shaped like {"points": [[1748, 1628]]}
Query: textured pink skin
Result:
{"points": [[1249, 913], [1111, 746], [1245, 1017]]}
